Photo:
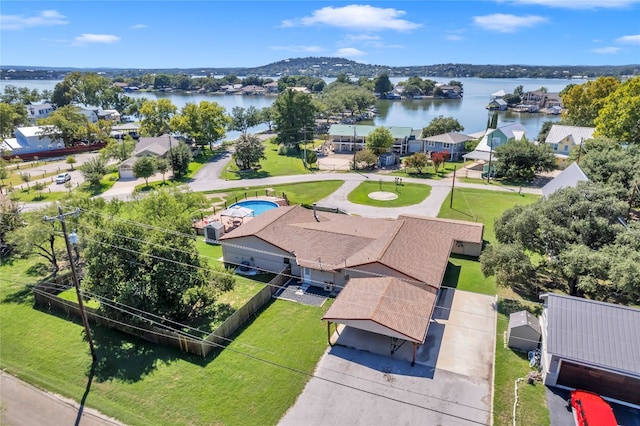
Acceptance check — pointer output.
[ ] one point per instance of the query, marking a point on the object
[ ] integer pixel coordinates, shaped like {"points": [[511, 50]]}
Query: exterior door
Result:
{"points": [[306, 275]]}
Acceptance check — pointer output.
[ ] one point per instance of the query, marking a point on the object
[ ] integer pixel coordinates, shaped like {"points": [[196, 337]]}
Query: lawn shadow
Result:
{"points": [[451, 275]]}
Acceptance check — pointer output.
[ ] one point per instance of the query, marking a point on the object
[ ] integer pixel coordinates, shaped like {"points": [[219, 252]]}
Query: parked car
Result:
{"points": [[590, 409], [63, 177], [245, 269]]}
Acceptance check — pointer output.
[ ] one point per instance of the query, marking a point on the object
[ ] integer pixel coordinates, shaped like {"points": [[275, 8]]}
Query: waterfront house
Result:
{"points": [[497, 95], [497, 104], [271, 88], [452, 143], [564, 139], [29, 140], [349, 137], [90, 113], [493, 138], [38, 111], [252, 89]]}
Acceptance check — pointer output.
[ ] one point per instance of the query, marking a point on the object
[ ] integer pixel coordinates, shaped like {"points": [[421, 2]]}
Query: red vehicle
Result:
{"points": [[589, 409]]}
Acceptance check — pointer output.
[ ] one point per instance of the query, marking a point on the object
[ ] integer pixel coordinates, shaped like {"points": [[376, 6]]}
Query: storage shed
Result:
{"points": [[524, 331]]}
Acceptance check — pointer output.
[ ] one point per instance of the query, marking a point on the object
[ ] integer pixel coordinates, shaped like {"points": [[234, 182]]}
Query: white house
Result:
{"points": [[38, 111], [564, 139], [30, 140]]}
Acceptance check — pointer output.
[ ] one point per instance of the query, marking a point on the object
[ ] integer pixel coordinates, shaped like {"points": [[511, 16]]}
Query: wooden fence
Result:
{"points": [[46, 296]]}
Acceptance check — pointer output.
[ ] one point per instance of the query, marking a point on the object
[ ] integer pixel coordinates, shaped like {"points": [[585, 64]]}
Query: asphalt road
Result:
{"points": [[22, 404]]}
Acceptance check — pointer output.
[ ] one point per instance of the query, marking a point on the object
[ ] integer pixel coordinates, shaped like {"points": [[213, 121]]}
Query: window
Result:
{"points": [[566, 148], [554, 146], [446, 145], [431, 143], [459, 244]]}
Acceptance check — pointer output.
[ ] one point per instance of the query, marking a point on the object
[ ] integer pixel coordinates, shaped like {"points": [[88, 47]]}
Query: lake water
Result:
{"points": [[469, 111]]}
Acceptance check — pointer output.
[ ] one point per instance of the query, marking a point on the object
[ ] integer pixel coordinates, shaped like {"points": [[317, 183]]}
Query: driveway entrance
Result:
{"points": [[451, 383]]}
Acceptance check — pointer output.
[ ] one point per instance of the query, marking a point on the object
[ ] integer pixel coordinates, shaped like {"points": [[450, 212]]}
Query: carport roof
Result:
{"points": [[396, 305], [596, 333]]}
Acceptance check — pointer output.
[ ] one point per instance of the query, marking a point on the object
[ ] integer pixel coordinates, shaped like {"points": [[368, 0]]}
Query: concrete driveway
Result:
{"points": [[451, 383]]}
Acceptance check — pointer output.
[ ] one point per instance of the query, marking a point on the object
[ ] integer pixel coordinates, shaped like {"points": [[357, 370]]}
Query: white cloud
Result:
{"points": [[629, 39], [356, 17], [349, 52], [505, 23], [362, 37], [45, 18], [96, 38], [606, 50], [138, 26], [579, 4], [299, 48]]}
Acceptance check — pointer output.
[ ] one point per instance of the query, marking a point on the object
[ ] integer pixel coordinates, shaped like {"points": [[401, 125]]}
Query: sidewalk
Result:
{"points": [[25, 405]]}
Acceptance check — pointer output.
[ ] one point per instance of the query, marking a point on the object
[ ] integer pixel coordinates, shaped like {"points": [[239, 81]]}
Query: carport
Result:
{"points": [[387, 306]]}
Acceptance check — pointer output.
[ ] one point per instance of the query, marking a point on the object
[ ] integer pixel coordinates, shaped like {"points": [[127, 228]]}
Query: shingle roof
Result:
{"points": [[400, 306], [596, 333], [568, 178], [450, 137], [158, 145], [417, 247], [558, 132]]}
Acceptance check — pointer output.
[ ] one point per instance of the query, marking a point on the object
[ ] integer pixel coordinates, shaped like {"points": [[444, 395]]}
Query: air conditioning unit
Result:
{"points": [[328, 286]]}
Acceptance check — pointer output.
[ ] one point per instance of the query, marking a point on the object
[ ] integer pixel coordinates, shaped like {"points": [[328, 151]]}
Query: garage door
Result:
{"points": [[602, 382]]}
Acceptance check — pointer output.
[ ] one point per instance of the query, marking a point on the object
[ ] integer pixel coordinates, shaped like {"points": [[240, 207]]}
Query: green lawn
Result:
{"points": [[140, 383], [408, 193], [297, 193], [273, 165], [429, 173], [478, 205], [511, 365], [464, 273]]}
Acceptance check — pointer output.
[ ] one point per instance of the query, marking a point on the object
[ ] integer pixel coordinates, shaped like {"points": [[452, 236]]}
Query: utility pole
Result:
{"points": [[74, 274], [453, 185], [490, 155], [173, 167]]}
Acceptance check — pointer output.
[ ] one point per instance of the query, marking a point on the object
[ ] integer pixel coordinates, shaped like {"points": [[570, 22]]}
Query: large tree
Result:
{"points": [[619, 117], [417, 161], [152, 263], [440, 125], [204, 123], [66, 124], [382, 84], [294, 111], [243, 119], [249, 150], [11, 116], [119, 149], [156, 117], [519, 160], [180, 156], [584, 101], [144, 167], [380, 140]]}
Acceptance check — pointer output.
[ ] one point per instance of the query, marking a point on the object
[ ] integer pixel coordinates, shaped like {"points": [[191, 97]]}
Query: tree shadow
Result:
{"points": [[509, 306]]}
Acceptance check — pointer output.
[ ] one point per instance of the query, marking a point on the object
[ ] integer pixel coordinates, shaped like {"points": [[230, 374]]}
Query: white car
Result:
{"points": [[63, 177]]}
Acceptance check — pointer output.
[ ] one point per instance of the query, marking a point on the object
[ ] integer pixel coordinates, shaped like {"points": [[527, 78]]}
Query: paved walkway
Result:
{"points": [[25, 405]]}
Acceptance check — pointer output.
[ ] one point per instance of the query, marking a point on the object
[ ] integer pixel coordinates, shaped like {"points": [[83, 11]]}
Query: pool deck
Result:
{"points": [[231, 223]]}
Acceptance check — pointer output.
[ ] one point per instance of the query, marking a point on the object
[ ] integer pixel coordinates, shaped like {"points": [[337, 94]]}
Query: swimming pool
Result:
{"points": [[258, 206]]}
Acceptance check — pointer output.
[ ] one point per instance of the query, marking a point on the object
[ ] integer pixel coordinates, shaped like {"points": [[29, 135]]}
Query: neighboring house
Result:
{"points": [[341, 253], [451, 142], [30, 140], [537, 97], [231, 89], [564, 139], [396, 93], [301, 89], [350, 137], [38, 111], [497, 95], [497, 104], [271, 88], [524, 331], [593, 346], [146, 147], [569, 177], [450, 92], [108, 114], [252, 89], [493, 138], [91, 114], [121, 130]]}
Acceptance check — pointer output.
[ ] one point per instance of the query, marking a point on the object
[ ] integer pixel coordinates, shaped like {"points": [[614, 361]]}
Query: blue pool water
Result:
{"points": [[258, 206]]}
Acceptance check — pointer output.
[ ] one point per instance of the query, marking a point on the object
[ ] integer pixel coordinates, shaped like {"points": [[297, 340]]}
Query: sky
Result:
{"points": [[193, 34]]}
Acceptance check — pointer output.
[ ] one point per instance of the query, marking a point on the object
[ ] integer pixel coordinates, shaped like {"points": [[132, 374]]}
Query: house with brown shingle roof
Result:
{"points": [[328, 249], [388, 272]]}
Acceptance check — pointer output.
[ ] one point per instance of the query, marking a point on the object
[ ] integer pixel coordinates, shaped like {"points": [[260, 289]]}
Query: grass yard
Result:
{"points": [[478, 205], [140, 383], [464, 273], [428, 171], [297, 193], [511, 365], [274, 165], [408, 193]]}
